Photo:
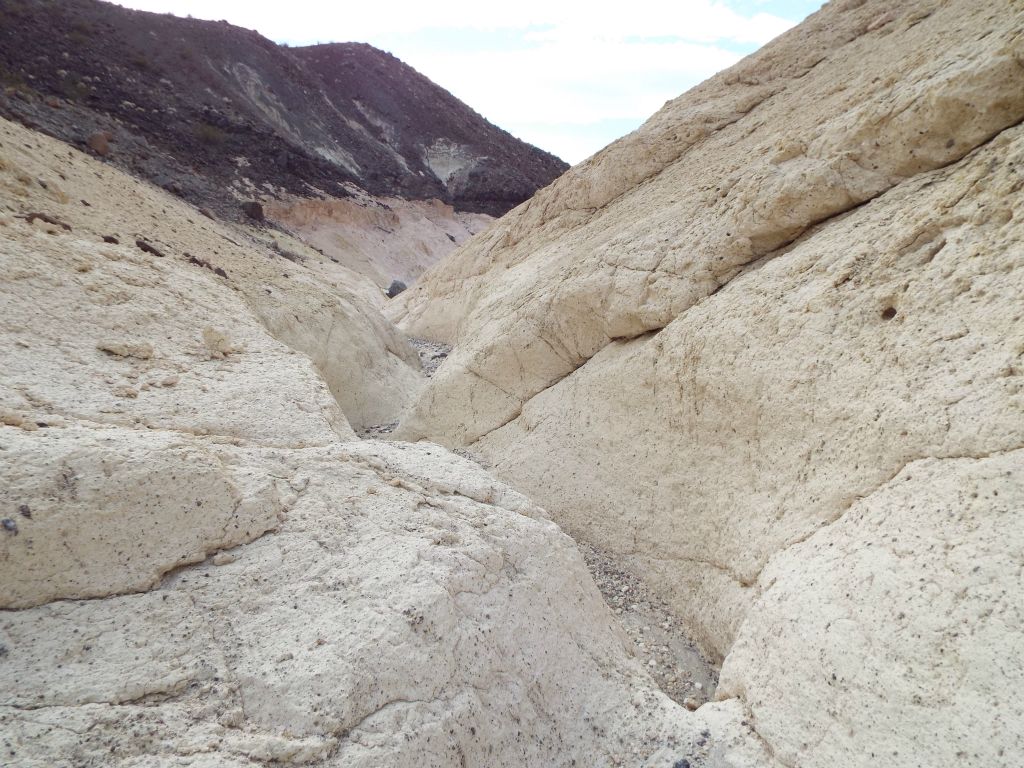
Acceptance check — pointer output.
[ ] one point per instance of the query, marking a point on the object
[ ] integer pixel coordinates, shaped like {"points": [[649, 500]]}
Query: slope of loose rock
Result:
{"points": [[210, 111], [383, 239]]}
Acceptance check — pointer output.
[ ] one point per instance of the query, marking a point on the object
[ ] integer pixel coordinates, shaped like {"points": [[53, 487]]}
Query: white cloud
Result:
{"points": [[561, 70], [695, 20], [590, 82]]}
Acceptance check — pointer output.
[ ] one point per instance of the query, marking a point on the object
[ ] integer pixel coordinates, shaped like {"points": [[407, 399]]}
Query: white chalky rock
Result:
{"points": [[705, 345]]}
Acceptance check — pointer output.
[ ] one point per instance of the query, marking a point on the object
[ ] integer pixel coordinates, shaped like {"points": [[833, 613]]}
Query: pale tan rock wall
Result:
{"points": [[898, 627], [201, 566], [408, 609], [765, 410], [832, 114], [369, 367], [719, 347]]}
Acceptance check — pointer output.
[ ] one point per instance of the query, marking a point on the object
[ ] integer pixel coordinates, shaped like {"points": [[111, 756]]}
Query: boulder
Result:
{"points": [[253, 210], [99, 142], [408, 609]]}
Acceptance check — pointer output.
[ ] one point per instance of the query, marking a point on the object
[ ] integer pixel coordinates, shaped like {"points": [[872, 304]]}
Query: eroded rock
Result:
{"points": [[211, 570], [701, 348], [99, 142]]}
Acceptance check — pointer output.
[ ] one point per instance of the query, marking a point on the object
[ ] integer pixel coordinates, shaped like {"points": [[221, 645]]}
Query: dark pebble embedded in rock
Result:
{"points": [[147, 247]]}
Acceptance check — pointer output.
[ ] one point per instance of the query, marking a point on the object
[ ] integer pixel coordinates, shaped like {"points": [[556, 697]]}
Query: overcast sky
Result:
{"points": [[569, 77]]}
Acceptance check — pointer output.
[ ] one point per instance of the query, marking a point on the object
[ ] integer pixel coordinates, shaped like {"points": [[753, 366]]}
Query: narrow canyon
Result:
{"points": [[707, 452]]}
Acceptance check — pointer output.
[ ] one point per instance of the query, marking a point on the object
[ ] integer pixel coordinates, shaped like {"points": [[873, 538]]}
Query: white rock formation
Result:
{"points": [[409, 608], [121, 294], [846, 106], [768, 350], [889, 336], [200, 565], [898, 627], [721, 346]]}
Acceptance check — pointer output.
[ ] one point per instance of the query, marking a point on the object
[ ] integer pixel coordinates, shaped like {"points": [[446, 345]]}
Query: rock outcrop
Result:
{"points": [[768, 349], [391, 619], [201, 565], [383, 239], [766, 355], [213, 112], [151, 275]]}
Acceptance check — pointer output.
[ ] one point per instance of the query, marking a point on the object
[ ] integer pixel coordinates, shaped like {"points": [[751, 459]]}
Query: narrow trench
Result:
{"points": [[432, 354], [658, 635]]}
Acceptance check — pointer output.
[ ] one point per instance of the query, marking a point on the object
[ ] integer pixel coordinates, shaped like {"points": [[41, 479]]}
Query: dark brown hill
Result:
{"points": [[214, 112]]}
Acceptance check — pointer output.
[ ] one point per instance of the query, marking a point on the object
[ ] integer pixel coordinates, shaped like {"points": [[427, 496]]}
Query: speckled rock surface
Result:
{"points": [[765, 354], [856, 100], [707, 347], [908, 608], [407, 610], [889, 336], [88, 282], [200, 564]]}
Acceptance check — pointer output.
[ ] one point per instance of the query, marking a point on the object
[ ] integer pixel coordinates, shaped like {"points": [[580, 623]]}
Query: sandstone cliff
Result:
{"points": [[768, 348]]}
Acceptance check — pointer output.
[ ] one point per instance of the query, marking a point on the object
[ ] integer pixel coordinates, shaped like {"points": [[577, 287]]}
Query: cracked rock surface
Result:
{"points": [[857, 100], [763, 356], [200, 564], [408, 605], [711, 348]]}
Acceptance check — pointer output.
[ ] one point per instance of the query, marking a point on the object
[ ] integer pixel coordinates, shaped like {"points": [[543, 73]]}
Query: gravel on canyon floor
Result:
{"points": [[661, 643], [659, 640], [432, 354]]}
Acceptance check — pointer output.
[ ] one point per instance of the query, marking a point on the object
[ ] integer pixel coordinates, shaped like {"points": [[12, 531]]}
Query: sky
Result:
{"points": [[568, 77]]}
